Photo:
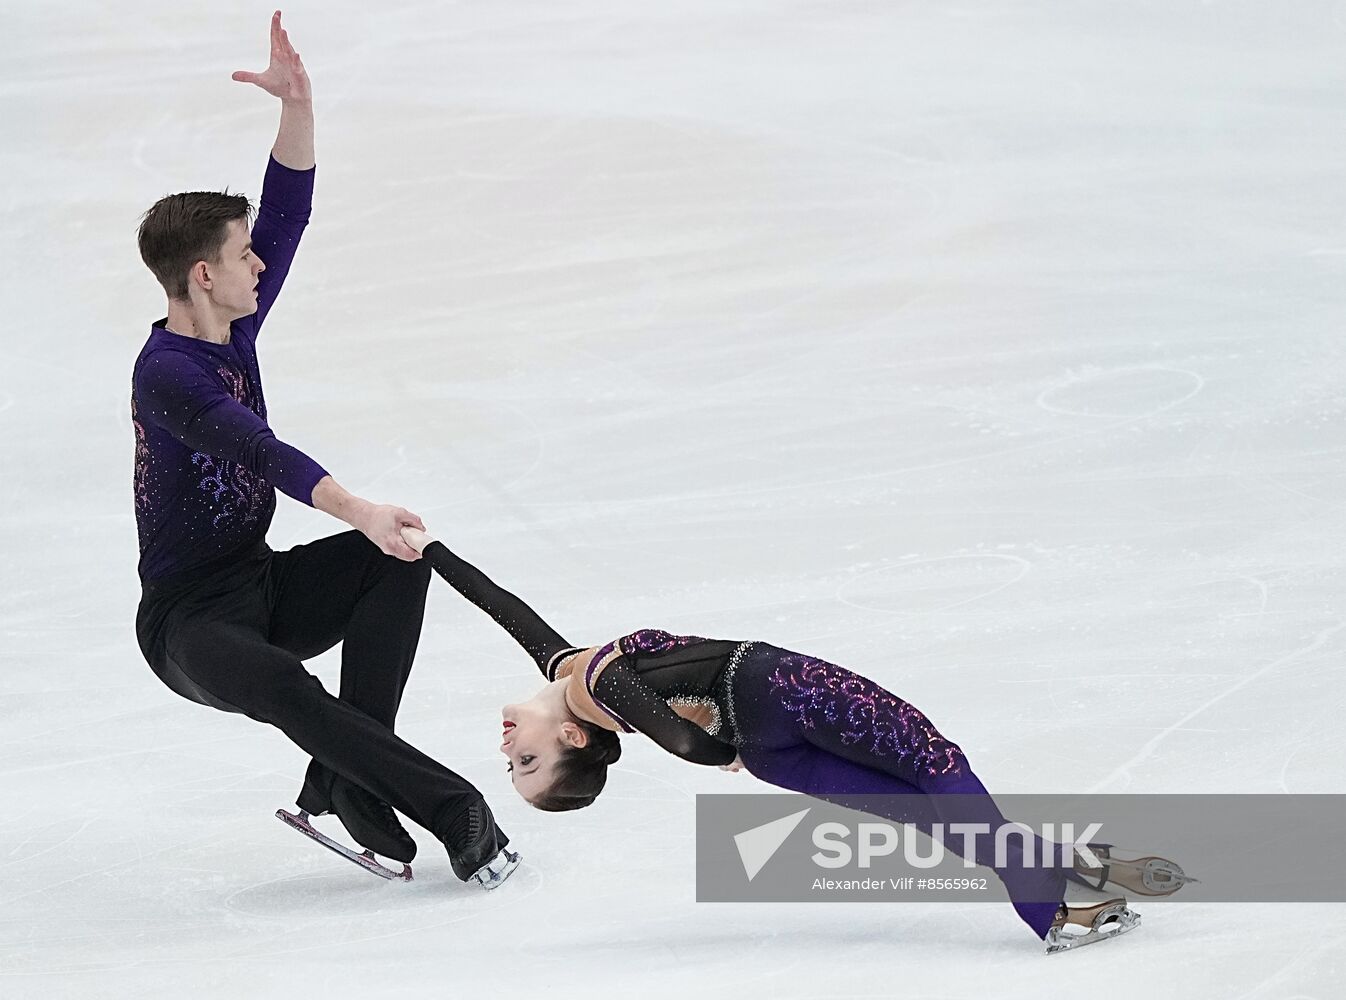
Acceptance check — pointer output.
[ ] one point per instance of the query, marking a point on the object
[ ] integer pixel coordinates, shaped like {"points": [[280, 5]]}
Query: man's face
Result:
{"points": [[233, 278]]}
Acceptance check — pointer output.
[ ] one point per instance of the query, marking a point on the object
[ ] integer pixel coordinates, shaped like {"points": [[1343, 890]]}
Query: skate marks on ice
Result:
{"points": [[1164, 391], [934, 584], [497, 448], [81, 930], [1125, 393], [321, 899], [13, 858], [488, 447], [1120, 777]]}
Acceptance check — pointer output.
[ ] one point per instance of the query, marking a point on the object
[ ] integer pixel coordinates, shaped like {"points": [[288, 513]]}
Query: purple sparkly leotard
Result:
{"points": [[820, 695], [796, 721], [206, 461]]}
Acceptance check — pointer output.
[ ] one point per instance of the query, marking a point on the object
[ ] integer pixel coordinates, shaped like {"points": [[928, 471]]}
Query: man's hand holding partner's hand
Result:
{"points": [[382, 524]]}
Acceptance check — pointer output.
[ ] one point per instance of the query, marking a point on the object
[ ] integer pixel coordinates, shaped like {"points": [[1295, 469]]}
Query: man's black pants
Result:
{"points": [[234, 636]]}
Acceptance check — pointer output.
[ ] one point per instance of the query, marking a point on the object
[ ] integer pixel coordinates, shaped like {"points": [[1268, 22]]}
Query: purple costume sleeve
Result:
{"points": [[176, 392], [282, 214]]}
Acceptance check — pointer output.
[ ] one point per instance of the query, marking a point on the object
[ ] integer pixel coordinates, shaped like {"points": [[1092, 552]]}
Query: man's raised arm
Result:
{"points": [[287, 190], [285, 78]]}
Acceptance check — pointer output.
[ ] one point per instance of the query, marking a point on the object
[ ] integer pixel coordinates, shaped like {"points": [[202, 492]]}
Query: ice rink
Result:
{"points": [[994, 350]]}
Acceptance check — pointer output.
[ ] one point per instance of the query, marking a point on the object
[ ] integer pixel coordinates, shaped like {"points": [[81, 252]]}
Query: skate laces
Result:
{"points": [[470, 825]]}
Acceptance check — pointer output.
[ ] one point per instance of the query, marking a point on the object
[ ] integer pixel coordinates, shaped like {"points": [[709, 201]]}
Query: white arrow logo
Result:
{"points": [[756, 846]]}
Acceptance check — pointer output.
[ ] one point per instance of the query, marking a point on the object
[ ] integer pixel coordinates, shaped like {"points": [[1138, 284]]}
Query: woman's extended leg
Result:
{"points": [[815, 727]]}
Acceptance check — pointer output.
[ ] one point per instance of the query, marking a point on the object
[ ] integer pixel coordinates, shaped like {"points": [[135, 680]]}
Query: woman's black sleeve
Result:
{"points": [[620, 688], [538, 639]]}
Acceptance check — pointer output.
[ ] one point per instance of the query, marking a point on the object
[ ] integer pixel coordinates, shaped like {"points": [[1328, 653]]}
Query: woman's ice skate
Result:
{"points": [[1146, 876], [1076, 926]]}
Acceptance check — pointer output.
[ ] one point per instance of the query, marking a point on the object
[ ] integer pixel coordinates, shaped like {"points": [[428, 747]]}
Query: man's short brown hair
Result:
{"points": [[181, 229]]}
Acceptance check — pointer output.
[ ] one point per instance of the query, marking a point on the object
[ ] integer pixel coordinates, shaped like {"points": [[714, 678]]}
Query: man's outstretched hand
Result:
{"points": [[284, 77], [382, 524]]}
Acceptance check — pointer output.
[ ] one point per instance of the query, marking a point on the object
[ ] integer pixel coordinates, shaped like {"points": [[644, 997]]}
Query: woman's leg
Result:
{"points": [[815, 727]]}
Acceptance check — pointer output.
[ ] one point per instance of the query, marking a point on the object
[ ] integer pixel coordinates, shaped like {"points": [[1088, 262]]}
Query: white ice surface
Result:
{"points": [[991, 349]]}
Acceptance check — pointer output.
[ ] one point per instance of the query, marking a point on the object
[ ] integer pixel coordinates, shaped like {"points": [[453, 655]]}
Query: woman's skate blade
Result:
{"points": [[367, 861], [1145, 876], [1111, 920]]}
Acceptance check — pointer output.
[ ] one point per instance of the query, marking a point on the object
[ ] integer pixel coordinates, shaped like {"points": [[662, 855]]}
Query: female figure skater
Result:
{"points": [[792, 720]]}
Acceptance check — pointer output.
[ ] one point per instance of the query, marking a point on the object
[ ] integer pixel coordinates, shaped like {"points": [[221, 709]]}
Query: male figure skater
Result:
{"points": [[224, 620]]}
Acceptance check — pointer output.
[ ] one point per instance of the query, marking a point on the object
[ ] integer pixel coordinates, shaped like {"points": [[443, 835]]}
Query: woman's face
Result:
{"points": [[535, 732]]}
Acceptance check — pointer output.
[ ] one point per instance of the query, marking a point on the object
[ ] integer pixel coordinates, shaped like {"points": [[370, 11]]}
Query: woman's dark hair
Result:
{"points": [[181, 229], [580, 773]]}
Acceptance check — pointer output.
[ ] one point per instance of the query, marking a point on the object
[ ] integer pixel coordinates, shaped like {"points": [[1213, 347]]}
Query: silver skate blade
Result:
{"points": [[492, 875], [367, 861], [1112, 922], [1159, 876]]}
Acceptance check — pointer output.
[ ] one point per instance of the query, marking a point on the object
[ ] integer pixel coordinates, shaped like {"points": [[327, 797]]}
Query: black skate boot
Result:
{"points": [[371, 822], [477, 848]]}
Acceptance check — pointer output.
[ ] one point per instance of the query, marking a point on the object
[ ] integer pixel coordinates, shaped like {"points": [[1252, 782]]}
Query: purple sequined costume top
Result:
{"points": [[655, 642], [206, 462]]}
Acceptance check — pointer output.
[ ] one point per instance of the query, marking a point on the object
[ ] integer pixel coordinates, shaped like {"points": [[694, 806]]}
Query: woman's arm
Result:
{"points": [[621, 690], [525, 626]]}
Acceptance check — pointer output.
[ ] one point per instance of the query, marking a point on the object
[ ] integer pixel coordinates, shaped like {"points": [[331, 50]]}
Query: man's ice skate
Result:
{"points": [[371, 822], [367, 861], [1077, 926], [477, 848], [493, 874], [1145, 876]]}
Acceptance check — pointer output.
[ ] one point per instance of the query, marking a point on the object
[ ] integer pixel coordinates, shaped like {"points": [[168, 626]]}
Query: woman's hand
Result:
{"points": [[383, 525], [416, 538], [734, 765]]}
